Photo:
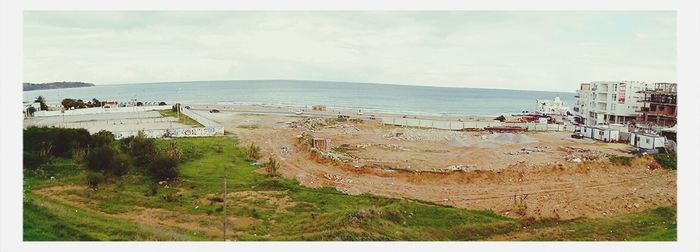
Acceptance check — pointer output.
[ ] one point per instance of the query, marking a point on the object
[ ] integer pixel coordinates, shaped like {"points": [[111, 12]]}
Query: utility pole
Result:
{"points": [[225, 189]]}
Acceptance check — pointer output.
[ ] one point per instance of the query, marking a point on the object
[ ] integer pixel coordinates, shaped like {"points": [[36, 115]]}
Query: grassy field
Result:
{"points": [[261, 208], [186, 120]]}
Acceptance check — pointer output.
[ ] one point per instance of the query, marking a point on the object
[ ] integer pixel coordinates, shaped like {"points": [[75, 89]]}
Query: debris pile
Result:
{"points": [[578, 155], [528, 150], [347, 129], [310, 124], [337, 178]]}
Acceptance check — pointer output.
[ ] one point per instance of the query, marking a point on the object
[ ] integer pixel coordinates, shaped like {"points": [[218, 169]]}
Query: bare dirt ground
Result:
{"points": [[530, 174]]}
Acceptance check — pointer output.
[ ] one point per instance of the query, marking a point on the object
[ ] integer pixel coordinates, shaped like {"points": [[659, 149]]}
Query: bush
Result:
{"points": [[163, 167], [100, 158], [666, 160], [120, 165], [271, 167], [58, 142], [253, 152], [143, 150], [125, 143], [33, 160], [94, 179], [102, 138], [173, 150]]}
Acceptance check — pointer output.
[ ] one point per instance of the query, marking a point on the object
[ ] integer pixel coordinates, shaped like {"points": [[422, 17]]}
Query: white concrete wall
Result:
{"points": [[457, 125], [210, 128], [88, 111]]}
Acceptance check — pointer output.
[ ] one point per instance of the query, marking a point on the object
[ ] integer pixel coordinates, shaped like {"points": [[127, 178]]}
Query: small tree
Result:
{"points": [[271, 167], [253, 152]]}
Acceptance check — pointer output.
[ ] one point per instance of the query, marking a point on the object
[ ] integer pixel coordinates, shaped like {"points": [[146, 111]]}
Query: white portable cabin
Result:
{"points": [[601, 133], [606, 134], [647, 141], [587, 131]]}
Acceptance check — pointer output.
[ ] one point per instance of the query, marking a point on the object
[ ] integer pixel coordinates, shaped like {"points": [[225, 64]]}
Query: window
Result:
{"points": [[647, 140]]}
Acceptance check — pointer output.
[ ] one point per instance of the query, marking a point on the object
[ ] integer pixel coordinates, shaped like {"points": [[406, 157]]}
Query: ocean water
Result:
{"points": [[341, 95]]}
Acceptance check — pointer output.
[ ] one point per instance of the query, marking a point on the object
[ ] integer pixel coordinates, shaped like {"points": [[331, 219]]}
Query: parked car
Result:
{"points": [[577, 135], [299, 112], [214, 111]]}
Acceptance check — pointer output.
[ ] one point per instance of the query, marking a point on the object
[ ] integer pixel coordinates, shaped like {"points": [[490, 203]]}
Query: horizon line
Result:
{"points": [[331, 81]]}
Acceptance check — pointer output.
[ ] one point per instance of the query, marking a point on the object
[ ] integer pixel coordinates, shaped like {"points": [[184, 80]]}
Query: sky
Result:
{"points": [[550, 51]]}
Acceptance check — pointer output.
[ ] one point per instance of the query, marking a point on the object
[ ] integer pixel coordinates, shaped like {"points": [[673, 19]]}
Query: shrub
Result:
{"points": [[666, 160], [102, 138], [143, 150], [79, 154], [58, 142], [173, 150], [163, 167], [125, 143], [100, 158], [253, 152], [33, 160], [120, 165], [271, 167], [94, 179]]}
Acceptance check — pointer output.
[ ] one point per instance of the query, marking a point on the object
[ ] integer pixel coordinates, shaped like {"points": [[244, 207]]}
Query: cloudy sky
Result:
{"points": [[510, 50]]}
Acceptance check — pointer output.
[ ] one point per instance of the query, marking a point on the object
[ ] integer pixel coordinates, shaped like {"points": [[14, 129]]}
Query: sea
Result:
{"points": [[367, 97]]}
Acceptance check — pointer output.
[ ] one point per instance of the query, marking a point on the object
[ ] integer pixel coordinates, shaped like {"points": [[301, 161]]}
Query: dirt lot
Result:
{"points": [[528, 174]]}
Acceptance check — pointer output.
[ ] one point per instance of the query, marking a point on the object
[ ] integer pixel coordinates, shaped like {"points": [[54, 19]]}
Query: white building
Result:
{"points": [[605, 102], [551, 107]]}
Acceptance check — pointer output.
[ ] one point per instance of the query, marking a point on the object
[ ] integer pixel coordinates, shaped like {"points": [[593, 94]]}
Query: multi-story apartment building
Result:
{"points": [[659, 105], [605, 102]]}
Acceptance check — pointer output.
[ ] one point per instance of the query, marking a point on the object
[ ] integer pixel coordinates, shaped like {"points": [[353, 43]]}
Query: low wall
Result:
{"points": [[457, 125], [172, 132], [210, 128], [88, 111]]}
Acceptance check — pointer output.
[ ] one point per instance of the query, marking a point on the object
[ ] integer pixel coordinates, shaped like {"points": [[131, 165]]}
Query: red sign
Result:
{"points": [[621, 92]]}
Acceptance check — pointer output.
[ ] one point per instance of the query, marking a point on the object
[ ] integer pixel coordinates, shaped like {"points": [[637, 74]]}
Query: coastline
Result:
{"points": [[330, 112]]}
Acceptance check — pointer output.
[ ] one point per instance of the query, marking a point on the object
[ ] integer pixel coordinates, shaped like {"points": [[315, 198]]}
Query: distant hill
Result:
{"points": [[54, 85]]}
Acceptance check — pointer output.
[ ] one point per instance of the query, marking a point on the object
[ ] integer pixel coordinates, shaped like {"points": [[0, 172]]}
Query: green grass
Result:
{"points": [[658, 224], [186, 120], [666, 160], [310, 214]]}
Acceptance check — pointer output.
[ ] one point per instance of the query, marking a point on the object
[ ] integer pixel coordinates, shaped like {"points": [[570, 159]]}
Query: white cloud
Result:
{"points": [[517, 50]]}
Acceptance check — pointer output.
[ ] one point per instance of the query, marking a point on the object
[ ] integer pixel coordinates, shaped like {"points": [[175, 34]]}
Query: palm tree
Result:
{"points": [[42, 103]]}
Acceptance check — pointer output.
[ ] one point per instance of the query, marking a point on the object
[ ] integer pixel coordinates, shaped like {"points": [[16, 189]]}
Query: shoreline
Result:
{"points": [[329, 112]]}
